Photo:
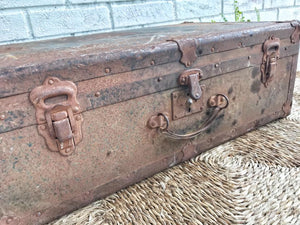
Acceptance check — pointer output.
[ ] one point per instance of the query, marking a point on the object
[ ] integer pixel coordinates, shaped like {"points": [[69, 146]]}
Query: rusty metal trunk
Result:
{"points": [[83, 117]]}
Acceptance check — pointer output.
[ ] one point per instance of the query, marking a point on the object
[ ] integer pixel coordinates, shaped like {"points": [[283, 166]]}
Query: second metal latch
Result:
{"points": [[269, 62]]}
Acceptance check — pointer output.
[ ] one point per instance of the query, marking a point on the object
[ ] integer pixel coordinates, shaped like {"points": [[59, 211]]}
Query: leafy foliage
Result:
{"points": [[239, 15]]}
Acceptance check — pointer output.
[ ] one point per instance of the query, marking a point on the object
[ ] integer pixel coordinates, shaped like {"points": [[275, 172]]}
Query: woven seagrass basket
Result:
{"points": [[254, 179]]}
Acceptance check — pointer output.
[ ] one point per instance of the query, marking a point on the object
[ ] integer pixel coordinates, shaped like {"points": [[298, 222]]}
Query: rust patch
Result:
{"points": [[188, 49], [296, 34], [255, 87], [255, 72], [234, 123]]}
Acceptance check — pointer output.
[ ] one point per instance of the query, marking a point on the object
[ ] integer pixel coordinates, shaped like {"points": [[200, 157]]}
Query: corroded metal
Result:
{"points": [[296, 34], [123, 79], [191, 78], [271, 49], [59, 123], [34, 62], [183, 105], [188, 48], [218, 102]]}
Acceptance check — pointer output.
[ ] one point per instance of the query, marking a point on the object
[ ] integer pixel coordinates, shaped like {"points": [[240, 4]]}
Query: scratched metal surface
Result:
{"points": [[24, 66], [118, 149]]}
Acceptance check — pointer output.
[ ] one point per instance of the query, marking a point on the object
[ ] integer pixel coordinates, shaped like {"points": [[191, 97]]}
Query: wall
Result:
{"points": [[27, 20]]}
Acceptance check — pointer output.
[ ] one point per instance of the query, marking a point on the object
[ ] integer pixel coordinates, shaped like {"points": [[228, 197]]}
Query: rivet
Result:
{"points": [[159, 79], [212, 49], [183, 79], [2, 117], [68, 150], [107, 70], [190, 101], [9, 220], [97, 94], [78, 117], [209, 140], [152, 62], [152, 124], [38, 214], [197, 95], [76, 109], [188, 63], [50, 82], [216, 65]]}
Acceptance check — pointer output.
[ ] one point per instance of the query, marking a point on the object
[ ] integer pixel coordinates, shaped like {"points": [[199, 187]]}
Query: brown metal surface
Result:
{"points": [[191, 78], [271, 49], [109, 54], [118, 148], [296, 34], [218, 102], [183, 105], [59, 123], [188, 48], [105, 91]]}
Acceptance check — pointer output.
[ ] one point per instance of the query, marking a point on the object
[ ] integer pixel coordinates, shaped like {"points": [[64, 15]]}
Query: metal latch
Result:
{"points": [[296, 34], [58, 114], [191, 78], [269, 62]]}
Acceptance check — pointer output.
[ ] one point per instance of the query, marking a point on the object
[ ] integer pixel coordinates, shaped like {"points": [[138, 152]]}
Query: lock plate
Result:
{"points": [[58, 122], [183, 105]]}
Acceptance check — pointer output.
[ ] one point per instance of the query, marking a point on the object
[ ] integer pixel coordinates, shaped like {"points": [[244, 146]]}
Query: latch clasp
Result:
{"points": [[58, 114], [191, 78], [296, 34], [269, 62]]}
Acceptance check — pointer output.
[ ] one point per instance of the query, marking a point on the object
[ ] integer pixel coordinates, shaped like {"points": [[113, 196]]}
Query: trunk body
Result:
{"points": [[101, 95]]}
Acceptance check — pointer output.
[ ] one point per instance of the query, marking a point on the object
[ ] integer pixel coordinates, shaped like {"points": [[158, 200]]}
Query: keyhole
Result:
{"points": [[189, 109]]}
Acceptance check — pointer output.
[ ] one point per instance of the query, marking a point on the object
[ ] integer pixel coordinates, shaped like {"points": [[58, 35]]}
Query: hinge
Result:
{"points": [[58, 114], [296, 34], [188, 48], [269, 62]]}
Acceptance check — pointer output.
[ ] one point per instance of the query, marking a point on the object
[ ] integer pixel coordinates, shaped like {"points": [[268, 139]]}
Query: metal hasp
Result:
{"points": [[191, 78], [188, 48], [58, 114], [269, 62], [296, 34]]}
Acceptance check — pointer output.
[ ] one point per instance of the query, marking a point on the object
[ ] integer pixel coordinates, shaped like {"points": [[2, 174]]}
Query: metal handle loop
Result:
{"points": [[171, 134]]}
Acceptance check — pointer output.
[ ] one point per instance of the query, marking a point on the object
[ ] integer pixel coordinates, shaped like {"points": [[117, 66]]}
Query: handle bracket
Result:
{"points": [[161, 121]]}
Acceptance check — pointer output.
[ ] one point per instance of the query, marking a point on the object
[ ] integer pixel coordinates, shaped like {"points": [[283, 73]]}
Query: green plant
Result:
{"points": [[239, 16], [257, 14]]}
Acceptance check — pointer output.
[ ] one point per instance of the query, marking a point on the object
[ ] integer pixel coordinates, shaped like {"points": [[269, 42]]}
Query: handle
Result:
{"points": [[219, 102]]}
